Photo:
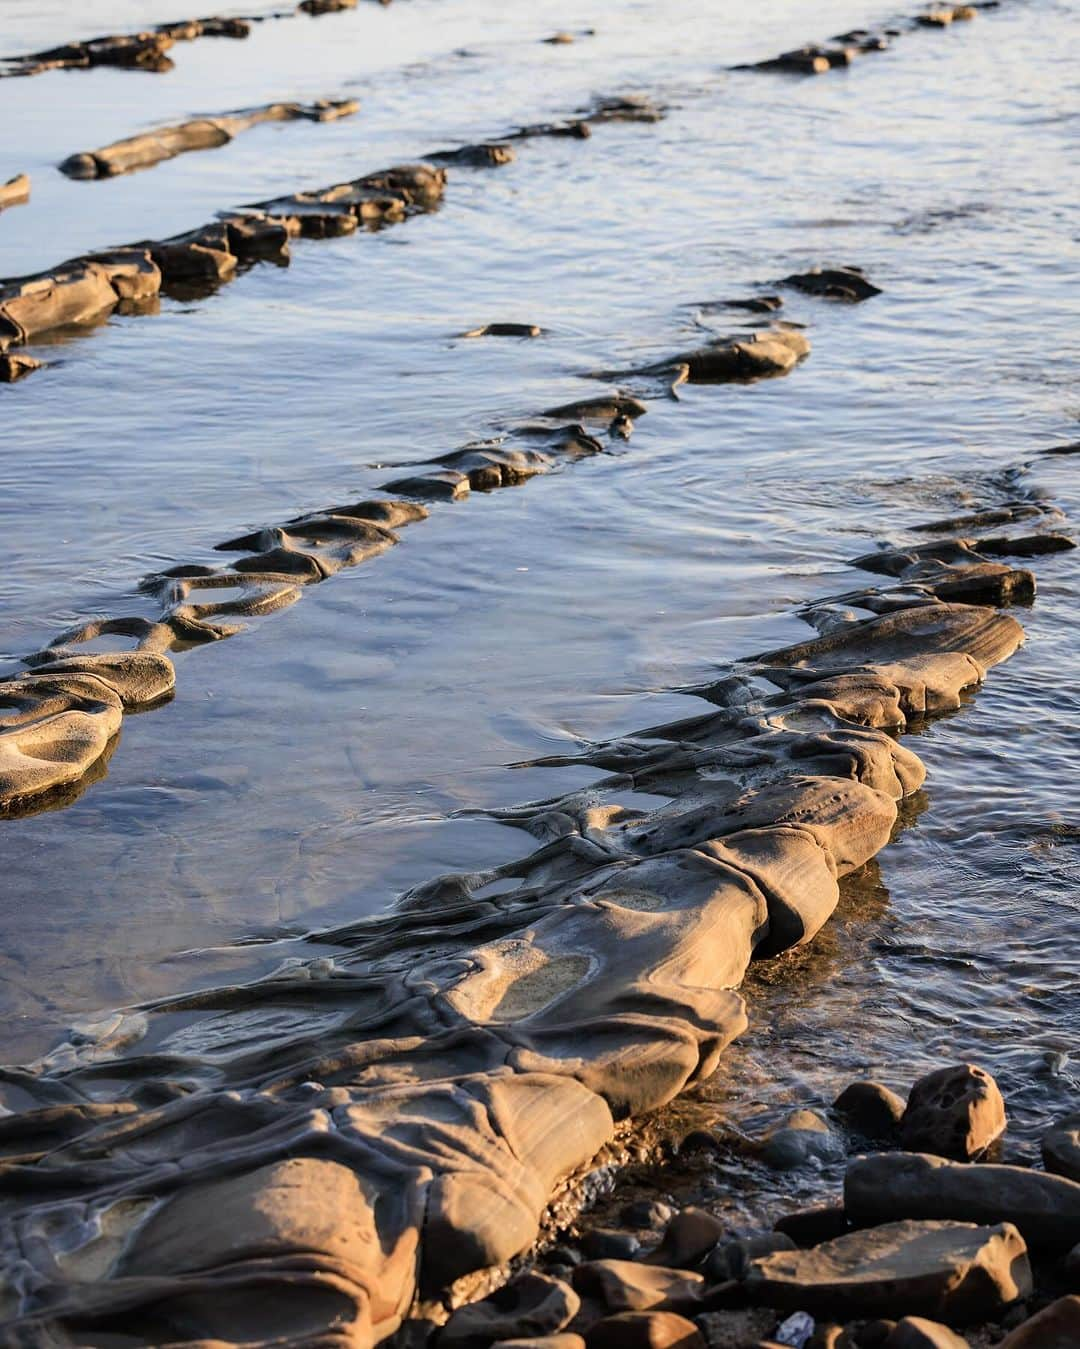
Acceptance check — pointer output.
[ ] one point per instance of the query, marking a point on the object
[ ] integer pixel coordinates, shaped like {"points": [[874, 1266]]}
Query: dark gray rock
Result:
{"points": [[1045, 1208]]}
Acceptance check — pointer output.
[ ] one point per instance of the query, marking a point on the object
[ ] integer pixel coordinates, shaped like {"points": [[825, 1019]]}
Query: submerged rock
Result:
{"points": [[952, 1271], [505, 330], [955, 1112], [804, 1137], [1045, 1208], [834, 283]]}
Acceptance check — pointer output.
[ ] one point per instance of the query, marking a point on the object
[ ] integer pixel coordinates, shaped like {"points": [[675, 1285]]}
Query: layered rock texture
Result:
{"points": [[84, 291], [202, 133], [294, 1161]]}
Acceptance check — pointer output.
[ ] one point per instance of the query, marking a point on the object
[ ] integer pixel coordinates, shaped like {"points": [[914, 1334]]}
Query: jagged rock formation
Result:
{"points": [[85, 290], [203, 133], [372, 1127]]}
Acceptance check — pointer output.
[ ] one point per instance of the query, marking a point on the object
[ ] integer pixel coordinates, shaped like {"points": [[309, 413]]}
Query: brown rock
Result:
{"points": [[955, 1112], [630, 1286], [690, 1236], [1055, 1327], [645, 1330], [953, 1270], [871, 1109], [529, 1306]]}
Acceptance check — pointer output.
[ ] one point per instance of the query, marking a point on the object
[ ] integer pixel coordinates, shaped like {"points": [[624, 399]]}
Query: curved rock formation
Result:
{"points": [[204, 133], [84, 291], [374, 1126]]}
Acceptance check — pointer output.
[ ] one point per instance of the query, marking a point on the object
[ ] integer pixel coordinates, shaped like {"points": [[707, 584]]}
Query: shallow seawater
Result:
{"points": [[311, 768]]}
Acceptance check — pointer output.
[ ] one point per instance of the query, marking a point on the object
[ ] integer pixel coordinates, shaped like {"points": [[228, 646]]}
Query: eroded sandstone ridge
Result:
{"points": [[55, 738], [294, 1161], [202, 133], [148, 50], [818, 58], [129, 279]]}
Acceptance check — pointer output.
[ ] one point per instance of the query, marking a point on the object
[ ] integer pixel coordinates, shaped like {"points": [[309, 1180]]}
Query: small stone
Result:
{"points": [[647, 1213], [812, 1226], [1055, 1327], [562, 1255], [605, 1243], [955, 1271], [955, 1112], [630, 1286], [795, 1330], [1061, 1148], [530, 1305], [731, 1259], [804, 1137], [645, 1330], [689, 1237], [915, 1332], [871, 1109]]}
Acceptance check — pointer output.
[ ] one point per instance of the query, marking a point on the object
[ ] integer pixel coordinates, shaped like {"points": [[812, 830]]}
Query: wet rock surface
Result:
{"points": [[205, 133], [479, 1045]]}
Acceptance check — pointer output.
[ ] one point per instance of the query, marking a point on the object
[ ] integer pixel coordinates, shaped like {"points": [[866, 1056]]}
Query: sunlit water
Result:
{"points": [[307, 770]]}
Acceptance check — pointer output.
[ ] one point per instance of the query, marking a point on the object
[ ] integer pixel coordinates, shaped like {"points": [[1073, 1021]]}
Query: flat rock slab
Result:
{"points": [[957, 1272], [627, 1286], [1045, 1208]]}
